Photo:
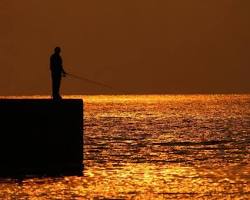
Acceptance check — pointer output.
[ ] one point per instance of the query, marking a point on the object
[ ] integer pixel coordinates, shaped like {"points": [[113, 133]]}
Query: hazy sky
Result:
{"points": [[136, 46]]}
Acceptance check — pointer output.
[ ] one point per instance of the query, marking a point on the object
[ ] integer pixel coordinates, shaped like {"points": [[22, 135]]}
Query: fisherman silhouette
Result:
{"points": [[57, 71]]}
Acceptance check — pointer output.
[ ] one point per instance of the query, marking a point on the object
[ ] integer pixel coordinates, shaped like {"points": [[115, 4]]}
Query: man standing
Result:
{"points": [[57, 71]]}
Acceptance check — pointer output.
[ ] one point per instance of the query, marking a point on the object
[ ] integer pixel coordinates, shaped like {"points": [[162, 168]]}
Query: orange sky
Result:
{"points": [[136, 46]]}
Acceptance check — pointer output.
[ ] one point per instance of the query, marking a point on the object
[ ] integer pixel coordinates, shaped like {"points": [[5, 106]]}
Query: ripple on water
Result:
{"points": [[156, 147]]}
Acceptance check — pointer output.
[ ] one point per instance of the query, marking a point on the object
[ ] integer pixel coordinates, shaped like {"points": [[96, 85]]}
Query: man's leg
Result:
{"points": [[53, 86], [56, 87]]}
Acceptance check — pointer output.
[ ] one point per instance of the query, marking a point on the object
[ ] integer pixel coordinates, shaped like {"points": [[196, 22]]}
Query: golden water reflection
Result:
{"points": [[155, 147], [136, 181]]}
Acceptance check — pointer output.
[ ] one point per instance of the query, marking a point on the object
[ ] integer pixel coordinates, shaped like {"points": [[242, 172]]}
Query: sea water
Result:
{"points": [[155, 147]]}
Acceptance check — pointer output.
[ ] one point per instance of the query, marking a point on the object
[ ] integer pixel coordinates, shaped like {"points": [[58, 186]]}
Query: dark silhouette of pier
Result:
{"points": [[41, 137]]}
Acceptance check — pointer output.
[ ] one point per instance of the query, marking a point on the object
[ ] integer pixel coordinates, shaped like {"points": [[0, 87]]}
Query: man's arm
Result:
{"points": [[63, 72]]}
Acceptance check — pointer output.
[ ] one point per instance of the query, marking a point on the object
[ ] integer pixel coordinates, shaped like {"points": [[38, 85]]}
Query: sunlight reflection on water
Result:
{"points": [[155, 147]]}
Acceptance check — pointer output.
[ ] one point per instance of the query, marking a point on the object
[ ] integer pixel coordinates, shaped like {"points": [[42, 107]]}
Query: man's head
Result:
{"points": [[57, 50]]}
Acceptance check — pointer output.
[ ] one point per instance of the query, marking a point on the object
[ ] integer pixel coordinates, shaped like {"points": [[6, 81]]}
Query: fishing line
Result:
{"points": [[91, 81]]}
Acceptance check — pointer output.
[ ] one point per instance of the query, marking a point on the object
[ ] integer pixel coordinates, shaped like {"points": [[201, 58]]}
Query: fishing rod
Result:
{"points": [[91, 81]]}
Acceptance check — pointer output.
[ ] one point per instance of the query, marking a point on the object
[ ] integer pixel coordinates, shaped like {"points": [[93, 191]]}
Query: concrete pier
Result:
{"points": [[41, 137]]}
